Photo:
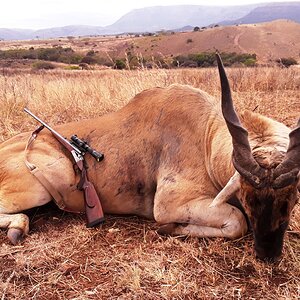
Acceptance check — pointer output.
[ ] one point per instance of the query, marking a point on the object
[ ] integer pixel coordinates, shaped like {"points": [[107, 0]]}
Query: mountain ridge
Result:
{"points": [[268, 14], [269, 41], [167, 18]]}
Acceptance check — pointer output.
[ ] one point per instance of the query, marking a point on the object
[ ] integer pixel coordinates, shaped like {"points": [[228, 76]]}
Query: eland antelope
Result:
{"points": [[173, 155]]}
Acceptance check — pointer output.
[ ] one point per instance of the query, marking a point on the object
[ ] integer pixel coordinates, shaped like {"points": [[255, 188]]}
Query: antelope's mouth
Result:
{"points": [[268, 247]]}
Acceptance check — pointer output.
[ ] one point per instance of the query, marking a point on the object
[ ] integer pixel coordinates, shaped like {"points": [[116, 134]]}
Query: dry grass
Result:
{"points": [[126, 258], [61, 96]]}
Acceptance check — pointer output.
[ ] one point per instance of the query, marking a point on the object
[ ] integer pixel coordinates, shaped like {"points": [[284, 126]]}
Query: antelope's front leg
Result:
{"points": [[17, 225]]}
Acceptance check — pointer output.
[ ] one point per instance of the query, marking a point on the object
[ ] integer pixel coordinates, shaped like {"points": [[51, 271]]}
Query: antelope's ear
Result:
{"points": [[288, 170], [229, 190]]}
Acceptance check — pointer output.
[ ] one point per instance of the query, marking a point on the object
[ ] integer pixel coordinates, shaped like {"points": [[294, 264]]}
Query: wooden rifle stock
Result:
{"points": [[93, 208]]}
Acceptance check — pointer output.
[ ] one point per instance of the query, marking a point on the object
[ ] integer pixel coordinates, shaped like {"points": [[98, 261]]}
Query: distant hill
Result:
{"points": [[72, 30], [151, 19], [288, 11], [15, 34], [270, 40], [169, 17]]}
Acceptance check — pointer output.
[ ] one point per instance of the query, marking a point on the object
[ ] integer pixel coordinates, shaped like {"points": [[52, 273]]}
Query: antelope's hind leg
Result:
{"points": [[180, 211], [230, 224]]}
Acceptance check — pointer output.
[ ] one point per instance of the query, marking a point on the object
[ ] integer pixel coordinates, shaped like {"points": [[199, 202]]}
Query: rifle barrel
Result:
{"points": [[52, 130]]}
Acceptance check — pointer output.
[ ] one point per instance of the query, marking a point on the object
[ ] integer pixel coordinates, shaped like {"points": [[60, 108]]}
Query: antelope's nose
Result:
{"points": [[267, 255]]}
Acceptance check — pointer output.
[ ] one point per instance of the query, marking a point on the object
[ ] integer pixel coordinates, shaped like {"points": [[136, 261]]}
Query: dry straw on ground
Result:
{"points": [[126, 258]]}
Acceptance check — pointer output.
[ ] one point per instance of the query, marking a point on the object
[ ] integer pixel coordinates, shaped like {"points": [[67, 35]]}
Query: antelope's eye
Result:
{"points": [[284, 209]]}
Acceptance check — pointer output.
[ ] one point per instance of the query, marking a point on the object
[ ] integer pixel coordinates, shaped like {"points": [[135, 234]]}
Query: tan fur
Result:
{"points": [[167, 155], [268, 138]]}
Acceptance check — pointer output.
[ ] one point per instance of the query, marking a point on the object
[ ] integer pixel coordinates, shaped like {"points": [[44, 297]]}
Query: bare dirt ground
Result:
{"points": [[126, 258]]}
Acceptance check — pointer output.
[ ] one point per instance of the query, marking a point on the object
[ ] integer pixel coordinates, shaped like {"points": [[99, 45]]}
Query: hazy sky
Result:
{"points": [[37, 14]]}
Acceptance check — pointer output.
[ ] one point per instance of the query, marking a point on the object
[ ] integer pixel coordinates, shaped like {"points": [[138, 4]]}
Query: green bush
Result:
{"points": [[73, 59], [43, 65], [69, 56], [250, 62], [14, 53], [72, 68], [208, 59], [120, 64], [203, 59], [51, 54], [59, 54], [90, 60]]}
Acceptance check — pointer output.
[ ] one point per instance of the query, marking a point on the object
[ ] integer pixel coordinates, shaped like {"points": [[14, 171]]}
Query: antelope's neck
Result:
{"points": [[268, 139], [218, 152]]}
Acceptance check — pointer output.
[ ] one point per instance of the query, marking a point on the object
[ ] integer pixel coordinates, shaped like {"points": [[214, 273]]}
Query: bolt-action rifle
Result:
{"points": [[78, 149]]}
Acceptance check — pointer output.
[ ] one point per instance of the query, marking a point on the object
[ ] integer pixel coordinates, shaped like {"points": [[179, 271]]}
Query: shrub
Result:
{"points": [[233, 58], [287, 62], [197, 28], [104, 61], [250, 62], [51, 54], [90, 60], [120, 64], [43, 65], [202, 59], [189, 41], [83, 66], [72, 68], [189, 64], [30, 54], [207, 59], [73, 59], [91, 53], [65, 55], [14, 53]]}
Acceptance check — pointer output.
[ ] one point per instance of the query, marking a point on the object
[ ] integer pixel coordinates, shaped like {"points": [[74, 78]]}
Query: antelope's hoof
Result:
{"points": [[15, 235], [167, 229]]}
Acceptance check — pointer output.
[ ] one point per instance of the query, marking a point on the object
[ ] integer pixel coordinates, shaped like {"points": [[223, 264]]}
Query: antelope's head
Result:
{"points": [[268, 192]]}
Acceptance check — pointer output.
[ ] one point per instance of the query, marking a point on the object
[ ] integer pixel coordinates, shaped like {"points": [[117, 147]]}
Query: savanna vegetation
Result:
{"points": [[126, 258], [130, 61], [207, 59]]}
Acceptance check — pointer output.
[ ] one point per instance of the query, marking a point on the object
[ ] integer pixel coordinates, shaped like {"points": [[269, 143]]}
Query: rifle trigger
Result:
{"points": [[77, 156]]}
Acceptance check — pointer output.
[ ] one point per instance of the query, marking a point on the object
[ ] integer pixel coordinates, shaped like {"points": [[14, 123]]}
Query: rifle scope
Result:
{"points": [[84, 147]]}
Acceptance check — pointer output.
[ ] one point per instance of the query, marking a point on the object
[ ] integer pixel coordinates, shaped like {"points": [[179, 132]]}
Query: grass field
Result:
{"points": [[126, 258]]}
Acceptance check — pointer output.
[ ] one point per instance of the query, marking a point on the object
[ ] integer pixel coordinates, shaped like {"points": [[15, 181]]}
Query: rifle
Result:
{"points": [[78, 149]]}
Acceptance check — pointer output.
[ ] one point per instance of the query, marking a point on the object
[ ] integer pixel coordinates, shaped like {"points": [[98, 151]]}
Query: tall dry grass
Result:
{"points": [[63, 96], [126, 259]]}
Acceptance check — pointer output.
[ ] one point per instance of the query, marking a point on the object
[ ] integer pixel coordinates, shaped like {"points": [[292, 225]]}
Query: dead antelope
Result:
{"points": [[171, 155]]}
